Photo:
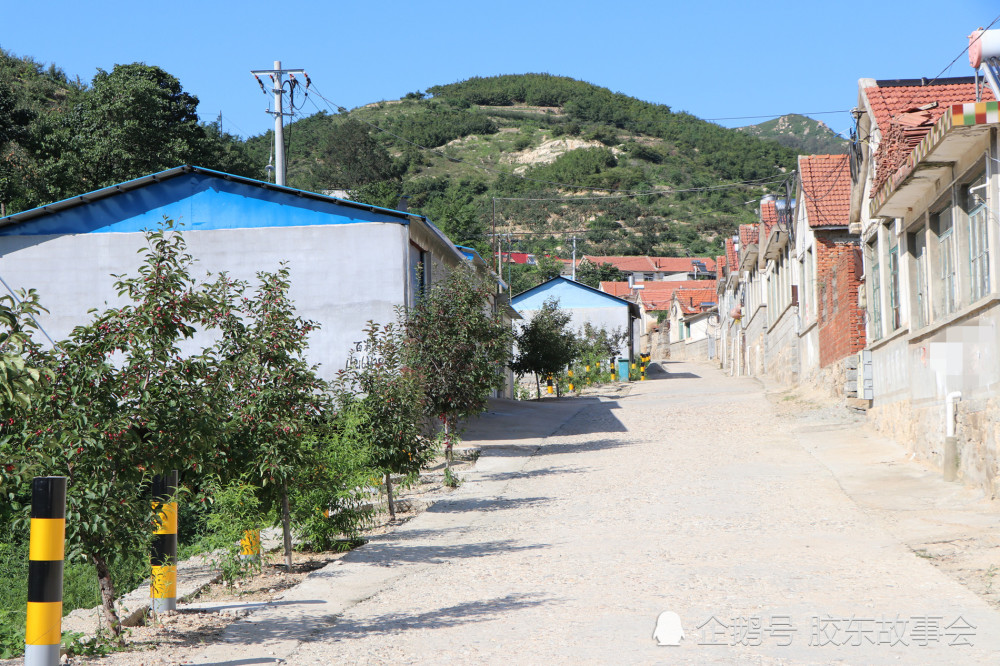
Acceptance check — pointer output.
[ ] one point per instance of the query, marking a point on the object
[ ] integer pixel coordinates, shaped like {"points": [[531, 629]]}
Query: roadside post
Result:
{"points": [[163, 581], [46, 552]]}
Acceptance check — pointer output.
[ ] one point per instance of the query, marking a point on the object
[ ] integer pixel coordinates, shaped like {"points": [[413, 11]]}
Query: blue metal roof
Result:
{"points": [[569, 294], [197, 198]]}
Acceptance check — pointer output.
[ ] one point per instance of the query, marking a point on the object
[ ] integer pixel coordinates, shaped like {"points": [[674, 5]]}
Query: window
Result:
{"points": [[806, 292], [979, 255], [894, 281], [420, 272], [917, 243], [945, 296], [875, 305], [647, 277]]}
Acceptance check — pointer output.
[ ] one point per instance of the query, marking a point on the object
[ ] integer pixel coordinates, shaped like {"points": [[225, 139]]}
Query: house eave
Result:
{"points": [[776, 242], [955, 133]]}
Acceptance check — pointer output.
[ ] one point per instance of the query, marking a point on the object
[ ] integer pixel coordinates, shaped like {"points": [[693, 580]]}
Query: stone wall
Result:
{"points": [[782, 351], [656, 343], [689, 351], [920, 426]]}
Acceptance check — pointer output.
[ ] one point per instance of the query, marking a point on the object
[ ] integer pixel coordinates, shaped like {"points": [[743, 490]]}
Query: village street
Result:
{"points": [[776, 539]]}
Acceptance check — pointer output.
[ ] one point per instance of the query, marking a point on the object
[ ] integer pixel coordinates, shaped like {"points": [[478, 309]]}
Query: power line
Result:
{"points": [[960, 54]]}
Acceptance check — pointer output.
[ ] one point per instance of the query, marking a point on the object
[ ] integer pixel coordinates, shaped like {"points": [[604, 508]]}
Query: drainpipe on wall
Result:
{"points": [[950, 440]]}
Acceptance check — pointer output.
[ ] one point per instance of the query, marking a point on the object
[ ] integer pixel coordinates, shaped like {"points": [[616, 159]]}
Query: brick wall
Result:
{"points": [[839, 272]]}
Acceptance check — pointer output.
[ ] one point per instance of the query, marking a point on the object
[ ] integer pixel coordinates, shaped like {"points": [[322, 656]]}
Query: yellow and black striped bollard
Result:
{"points": [[163, 581], [43, 631], [548, 384], [570, 373], [250, 545]]}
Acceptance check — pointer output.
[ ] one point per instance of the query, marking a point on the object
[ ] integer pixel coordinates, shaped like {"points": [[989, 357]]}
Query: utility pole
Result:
{"points": [[574, 258], [496, 241], [278, 89]]}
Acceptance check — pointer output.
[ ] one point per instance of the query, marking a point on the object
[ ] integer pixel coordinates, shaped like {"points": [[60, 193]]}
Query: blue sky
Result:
{"points": [[713, 59]]}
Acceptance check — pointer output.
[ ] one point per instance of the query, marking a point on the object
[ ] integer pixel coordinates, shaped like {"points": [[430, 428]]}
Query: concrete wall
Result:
{"points": [[809, 352], [342, 275], [755, 333], [610, 318]]}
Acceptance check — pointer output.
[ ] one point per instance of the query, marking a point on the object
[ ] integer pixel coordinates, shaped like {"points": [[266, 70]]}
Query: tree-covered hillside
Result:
{"points": [[800, 133], [555, 157], [541, 159], [61, 138]]}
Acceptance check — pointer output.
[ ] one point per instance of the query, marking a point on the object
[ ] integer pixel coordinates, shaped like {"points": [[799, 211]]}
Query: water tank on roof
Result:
{"points": [[984, 52], [986, 46]]}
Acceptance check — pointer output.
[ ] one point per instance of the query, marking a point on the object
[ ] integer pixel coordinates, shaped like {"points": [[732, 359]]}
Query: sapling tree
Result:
{"points": [[461, 347], [382, 389], [597, 343], [273, 396], [545, 344], [120, 404]]}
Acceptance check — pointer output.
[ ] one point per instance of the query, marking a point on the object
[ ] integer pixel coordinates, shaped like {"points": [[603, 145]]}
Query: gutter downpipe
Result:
{"points": [[950, 465]]}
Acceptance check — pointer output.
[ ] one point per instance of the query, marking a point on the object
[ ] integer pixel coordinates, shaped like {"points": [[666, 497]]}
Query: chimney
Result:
{"points": [[404, 203]]}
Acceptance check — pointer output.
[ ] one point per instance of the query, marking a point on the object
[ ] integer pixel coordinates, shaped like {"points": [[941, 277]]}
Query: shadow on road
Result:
{"points": [[533, 474], [450, 616], [243, 662], [581, 447], [391, 553], [508, 420], [485, 504]]}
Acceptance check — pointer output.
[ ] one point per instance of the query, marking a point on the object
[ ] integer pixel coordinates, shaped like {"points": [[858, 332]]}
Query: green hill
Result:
{"points": [[541, 159], [549, 151], [800, 133]]}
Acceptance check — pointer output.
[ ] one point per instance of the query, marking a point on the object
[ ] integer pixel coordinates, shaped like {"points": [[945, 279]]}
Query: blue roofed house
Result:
{"points": [[350, 262], [585, 305]]}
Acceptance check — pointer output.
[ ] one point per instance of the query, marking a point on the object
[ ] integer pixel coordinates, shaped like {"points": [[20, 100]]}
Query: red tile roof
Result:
{"points": [[690, 300], [658, 295], [651, 264], [748, 235], [518, 257], [681, 264], [905, 113], [630, 264], [619, 289], [768, 218], [730, 255], [826, 189]]}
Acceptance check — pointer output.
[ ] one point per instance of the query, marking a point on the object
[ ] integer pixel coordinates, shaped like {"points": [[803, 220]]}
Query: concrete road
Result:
{"points": [[772, 540]]}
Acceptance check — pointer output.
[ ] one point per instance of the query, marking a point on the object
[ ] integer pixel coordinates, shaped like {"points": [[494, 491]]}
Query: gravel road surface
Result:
{"points": [[587, 518]]}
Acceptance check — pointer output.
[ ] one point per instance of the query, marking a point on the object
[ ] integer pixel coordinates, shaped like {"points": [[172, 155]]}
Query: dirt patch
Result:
{"points": [[550, 151], [166, 639]]}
